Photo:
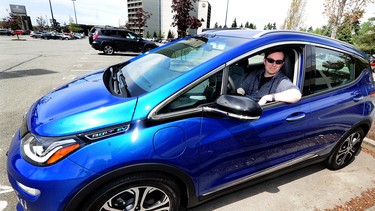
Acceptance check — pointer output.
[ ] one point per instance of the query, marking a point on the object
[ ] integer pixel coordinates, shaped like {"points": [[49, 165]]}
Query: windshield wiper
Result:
{"points": [[119, 83], [122, 85]]}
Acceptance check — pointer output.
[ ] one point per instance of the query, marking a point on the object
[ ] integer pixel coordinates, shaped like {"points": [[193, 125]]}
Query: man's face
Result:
{"points": [[273, 63]]}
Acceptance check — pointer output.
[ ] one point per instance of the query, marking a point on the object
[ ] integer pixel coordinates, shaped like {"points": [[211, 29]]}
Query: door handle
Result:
{"points": [[296, 116], [358, 98]]}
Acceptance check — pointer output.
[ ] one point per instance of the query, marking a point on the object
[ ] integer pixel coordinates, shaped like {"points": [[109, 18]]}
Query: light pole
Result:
{"points": [[75, 14], [226, 15], [53, 19]]}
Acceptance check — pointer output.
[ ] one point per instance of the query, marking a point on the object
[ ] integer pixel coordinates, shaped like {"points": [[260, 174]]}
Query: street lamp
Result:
{"points": [[53, 19], [226, 15], [75, 14]]}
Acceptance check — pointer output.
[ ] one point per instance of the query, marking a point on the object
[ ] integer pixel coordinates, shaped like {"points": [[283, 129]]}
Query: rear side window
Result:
{"points": [[333, 69]]}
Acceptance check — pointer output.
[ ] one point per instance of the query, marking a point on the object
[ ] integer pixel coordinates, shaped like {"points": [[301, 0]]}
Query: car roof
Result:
{"points": [[286, 35]]}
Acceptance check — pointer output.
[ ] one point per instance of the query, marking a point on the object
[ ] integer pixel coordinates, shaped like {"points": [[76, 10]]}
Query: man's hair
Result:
{"points": [[273, 51]]}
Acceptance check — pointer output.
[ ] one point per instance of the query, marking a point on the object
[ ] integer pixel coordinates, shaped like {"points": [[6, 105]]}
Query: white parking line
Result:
{"points": [[5, 189], [3, 205]]}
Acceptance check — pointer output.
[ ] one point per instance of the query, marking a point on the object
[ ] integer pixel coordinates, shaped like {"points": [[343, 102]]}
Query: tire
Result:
{"points": [[108, 50], [346, 150], [144, 191]]}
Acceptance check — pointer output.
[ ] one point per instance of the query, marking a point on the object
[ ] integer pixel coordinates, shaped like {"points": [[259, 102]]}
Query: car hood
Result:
{"points": [[80, 106]]}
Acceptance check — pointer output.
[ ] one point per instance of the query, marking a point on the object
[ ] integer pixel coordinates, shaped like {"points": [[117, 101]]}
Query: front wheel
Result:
{"points": [[108, 49], [137, 192], [347, 149]]}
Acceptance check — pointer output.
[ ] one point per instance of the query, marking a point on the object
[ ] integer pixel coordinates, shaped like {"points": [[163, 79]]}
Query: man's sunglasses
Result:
{"points": [[271, 61]]}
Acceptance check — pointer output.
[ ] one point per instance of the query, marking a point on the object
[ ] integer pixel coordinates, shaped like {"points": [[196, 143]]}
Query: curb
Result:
{"points": [[369, 142]]}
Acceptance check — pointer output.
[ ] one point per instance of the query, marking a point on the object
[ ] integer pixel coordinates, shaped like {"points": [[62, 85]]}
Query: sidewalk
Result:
{"points": [[371, 143]]}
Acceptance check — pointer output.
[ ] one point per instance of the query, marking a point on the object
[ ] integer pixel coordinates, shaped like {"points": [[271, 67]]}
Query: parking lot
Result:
{"points": [[30, 68]]}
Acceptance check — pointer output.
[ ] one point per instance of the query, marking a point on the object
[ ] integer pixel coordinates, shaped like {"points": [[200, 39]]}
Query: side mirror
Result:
{"points": [[238, 107]]}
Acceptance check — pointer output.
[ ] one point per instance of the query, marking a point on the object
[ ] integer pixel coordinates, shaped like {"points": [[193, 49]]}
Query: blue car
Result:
{"points": [[167, 130]]}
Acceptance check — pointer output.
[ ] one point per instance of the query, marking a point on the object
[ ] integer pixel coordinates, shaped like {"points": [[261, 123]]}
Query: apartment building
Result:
{"points": [[161, 19]]}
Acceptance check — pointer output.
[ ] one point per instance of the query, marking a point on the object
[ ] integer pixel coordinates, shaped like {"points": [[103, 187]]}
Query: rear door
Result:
{"points": [[335, 98]]}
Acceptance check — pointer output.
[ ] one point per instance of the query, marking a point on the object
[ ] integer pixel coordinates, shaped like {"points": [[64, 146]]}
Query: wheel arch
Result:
{"points": [[365, 125], [186, 185]]}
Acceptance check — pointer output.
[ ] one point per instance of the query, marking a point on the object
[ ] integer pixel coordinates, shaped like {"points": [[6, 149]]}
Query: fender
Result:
{"points": [[184, 181]]}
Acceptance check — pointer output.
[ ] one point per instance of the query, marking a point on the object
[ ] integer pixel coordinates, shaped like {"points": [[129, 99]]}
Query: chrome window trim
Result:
{"points": [[338, 50], [297, 56]]}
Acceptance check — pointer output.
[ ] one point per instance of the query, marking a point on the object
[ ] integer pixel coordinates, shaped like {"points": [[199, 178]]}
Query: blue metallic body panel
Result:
{"points": [[82, 105]]}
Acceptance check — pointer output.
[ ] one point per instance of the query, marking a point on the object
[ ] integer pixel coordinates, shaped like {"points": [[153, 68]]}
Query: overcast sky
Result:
{"points": [[114, 12]]}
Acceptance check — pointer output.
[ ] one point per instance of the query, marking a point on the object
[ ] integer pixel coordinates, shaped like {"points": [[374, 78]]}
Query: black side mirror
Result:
{"points": [[239, 107]]}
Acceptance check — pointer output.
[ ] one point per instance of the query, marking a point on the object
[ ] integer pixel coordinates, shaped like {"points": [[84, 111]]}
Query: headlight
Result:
{"points": [[43, 151]]}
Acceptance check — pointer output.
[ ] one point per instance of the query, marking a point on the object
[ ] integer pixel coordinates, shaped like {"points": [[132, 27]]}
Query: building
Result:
{"points": [[160, 22]]}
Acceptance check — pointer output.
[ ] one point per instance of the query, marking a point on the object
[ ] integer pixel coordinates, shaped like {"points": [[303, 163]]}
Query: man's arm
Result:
{"points": [[286, 92], [288, 96]]}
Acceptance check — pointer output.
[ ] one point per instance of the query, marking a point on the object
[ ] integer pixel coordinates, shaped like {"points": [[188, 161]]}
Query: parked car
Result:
{"points": [[7, 32], [36, 34], [78, 35], [372, 62], [52, 35], [21, 32], [166, 129], [110, 40], [67, 36]]}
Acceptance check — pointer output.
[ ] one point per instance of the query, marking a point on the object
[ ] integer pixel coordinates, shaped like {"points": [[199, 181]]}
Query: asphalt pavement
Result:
{"points": [[33, 67]]}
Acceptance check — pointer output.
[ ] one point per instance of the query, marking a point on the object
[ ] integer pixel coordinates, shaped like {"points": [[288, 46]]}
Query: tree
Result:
{"points": [[250, 25], [73, 27], [12, 22], [365, 37], [234, 24], [41, 22], [270, 26], [140, 20], [294, 19], [182, 18], [338, 10]]}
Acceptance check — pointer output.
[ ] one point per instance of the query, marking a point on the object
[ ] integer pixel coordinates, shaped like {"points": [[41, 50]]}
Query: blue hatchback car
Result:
{"points": [[166, 130]]}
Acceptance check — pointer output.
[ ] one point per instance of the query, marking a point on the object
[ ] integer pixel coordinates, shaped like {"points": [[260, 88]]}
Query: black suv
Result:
{"points": [[110, 40]]}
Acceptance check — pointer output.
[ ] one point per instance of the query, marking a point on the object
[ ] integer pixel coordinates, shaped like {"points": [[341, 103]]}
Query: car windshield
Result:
{"points": [[158, 68]]}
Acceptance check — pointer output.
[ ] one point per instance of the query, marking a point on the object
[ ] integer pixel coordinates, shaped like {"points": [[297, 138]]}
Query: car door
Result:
{"points": [[233, 151], [119, 43], [336, 100]]}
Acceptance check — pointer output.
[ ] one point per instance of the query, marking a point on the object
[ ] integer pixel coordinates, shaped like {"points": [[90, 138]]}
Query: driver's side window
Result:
{"points": [[204, 93]]}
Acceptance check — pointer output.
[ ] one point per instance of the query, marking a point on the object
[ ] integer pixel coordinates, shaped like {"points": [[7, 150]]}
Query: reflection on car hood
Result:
{"points": [[82, 105]]}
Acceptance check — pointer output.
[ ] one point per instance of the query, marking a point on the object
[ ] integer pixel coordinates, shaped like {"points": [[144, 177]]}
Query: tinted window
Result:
{"points": [[332, 69], [205, 92], [165, 64]]}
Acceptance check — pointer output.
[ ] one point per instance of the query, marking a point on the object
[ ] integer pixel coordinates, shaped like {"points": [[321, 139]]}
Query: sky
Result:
{"points": [[114, 12]]}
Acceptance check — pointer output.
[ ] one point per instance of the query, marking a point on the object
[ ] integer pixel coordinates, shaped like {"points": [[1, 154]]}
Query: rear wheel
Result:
{"points": [[136, 192], [347, 149], [108, 49]]}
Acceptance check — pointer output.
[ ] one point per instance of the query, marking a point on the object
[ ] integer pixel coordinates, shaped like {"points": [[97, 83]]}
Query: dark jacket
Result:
{"points": [[252, 89]]}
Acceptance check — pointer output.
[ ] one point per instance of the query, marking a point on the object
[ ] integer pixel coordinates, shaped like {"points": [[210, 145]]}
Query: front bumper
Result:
{"points": [[36, 186]]}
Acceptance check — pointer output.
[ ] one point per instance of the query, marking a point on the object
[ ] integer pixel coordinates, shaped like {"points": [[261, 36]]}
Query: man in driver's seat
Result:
{"points": [[270, 84]]}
